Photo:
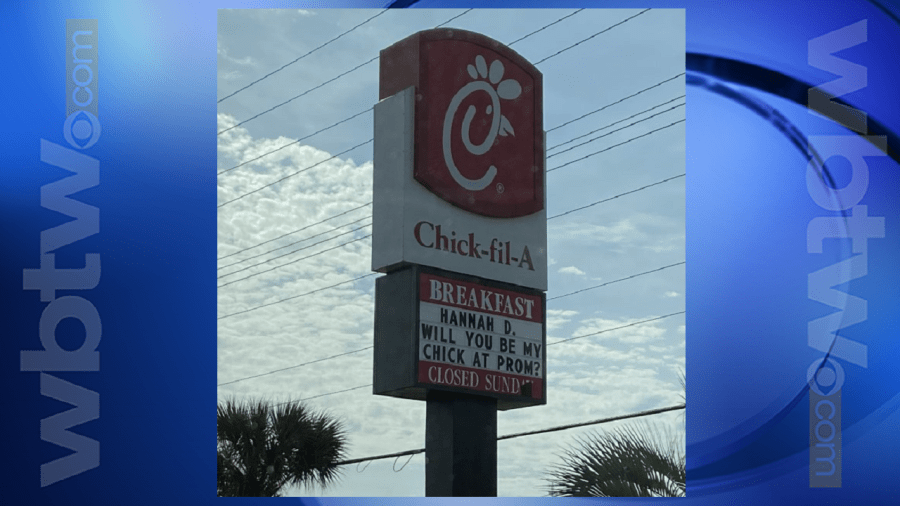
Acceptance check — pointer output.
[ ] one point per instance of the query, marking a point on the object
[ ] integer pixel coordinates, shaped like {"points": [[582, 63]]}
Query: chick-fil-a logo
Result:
{"points": [[508, 89], [479, 140]]}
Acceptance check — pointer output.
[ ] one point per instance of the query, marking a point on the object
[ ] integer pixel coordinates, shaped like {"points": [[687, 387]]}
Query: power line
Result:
{"points": [[548, 131], [592, 36], [377, 56], [299, 58], [323, 395], [607, 134], [295, 173], [370, 347], [294, 366], [293, 243], [550, 344], [369, 109], [520, 39], [297, 260], [548, 170], [297, 296], [616, 328], [364, 237], [295, 142], [296, 250], [552, 217], [298, 230], [615, 145], [573, 139], [454, 17], [335, 78], [531, 433], [370, 140], [616, 196], [616, 102], [595, 422], [616, 281]]}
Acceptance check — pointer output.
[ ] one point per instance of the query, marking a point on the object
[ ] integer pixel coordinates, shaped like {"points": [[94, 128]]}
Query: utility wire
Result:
{"points": [[294, 366], [360, 113], [296, 296], [594, 422], [296, 250], [550, 344], [531, 433], [591, 37], [335, 78], [573, 139], [548, 170], [369, 109], [615, 145], [454, 17], [323, 395], [295, 173], [299, 58], [615, 328], [616, 196], [520, 39], [364, 237], [549, 156], [292, 244], [548, 131], [370, 347], [297, 260], [298, 230], [615, 281], [607, 134], [616, 102], [377, 56], [552, 217]]}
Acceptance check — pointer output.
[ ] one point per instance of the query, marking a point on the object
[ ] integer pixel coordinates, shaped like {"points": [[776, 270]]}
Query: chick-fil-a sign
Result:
{"points": [[478, 120]]}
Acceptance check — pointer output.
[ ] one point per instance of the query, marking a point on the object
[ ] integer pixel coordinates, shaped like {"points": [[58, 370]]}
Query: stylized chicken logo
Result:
{"points": [[508, 90]]}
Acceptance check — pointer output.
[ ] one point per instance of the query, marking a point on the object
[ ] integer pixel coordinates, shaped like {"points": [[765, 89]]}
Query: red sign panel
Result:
{"points": [[479, 137], [480, 380], [478, 298]]}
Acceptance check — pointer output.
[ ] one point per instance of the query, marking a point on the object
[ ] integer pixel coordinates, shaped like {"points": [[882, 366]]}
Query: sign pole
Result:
{"points": [[460, 445]]}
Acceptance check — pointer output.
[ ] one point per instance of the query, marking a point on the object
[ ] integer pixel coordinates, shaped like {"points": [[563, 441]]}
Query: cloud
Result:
{"points": [[222, 52], [671, 294], [556, 318], [642, 333], [571, 270]]}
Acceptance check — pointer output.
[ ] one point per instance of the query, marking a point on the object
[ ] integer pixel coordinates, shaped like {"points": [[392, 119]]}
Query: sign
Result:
{"points": [[460, 159], [480, 338], [478, 123], [439, 330]]}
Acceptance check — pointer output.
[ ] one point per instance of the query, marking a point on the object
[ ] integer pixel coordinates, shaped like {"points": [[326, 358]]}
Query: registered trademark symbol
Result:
{"points": [[499, 187]]}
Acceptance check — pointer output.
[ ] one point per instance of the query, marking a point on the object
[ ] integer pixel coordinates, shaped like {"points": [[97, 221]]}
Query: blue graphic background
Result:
{"points": [[747, 213]]}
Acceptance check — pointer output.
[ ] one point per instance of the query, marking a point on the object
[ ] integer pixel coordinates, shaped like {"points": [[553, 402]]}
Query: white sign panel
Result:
{"points": [[413, 225]]}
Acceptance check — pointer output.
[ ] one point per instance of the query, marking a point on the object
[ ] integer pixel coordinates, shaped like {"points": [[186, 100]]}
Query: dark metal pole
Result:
{"points": [[460, 445]]}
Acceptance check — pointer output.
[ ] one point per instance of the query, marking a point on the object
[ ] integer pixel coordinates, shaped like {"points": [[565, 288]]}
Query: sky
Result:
{"points": [[612, 373]]}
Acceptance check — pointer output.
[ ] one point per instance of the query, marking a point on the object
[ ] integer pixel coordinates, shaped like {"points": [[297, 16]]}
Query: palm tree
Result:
{"points": [[638, 460], [264, 447]]}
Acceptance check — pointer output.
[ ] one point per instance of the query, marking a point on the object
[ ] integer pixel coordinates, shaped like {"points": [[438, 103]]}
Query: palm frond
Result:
{"points": [[262, 448], [637, 460]]}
